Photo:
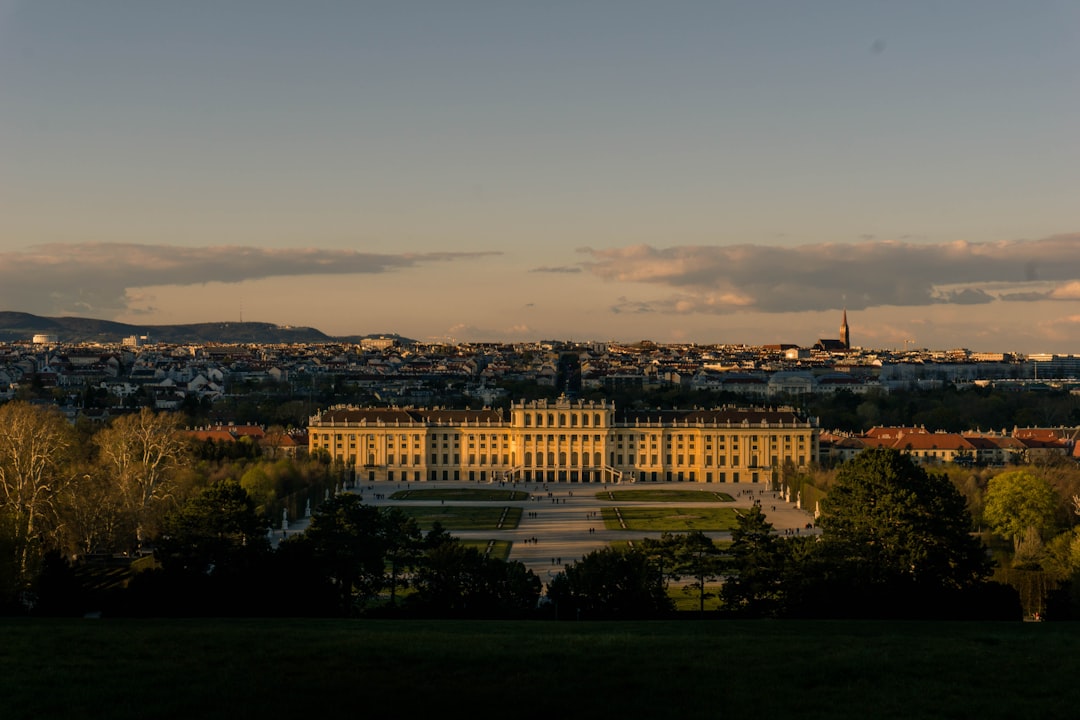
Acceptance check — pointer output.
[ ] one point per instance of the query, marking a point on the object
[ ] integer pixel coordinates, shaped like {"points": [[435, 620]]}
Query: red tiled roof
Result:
{"points": [[895, 432], [933, 441], [215, 435]]}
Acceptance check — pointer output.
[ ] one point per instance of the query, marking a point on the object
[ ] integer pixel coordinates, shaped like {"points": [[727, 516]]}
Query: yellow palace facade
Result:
{"points": [[565, 440]]}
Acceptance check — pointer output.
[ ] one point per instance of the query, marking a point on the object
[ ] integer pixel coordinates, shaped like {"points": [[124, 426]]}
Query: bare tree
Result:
{"points": [[35, 445], [143, 453], [273, 440], [94, 519]]}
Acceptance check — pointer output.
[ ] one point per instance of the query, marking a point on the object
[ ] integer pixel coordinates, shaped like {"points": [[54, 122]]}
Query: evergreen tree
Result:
{"points": [[756, 566], [610, 583], [896, 541]]}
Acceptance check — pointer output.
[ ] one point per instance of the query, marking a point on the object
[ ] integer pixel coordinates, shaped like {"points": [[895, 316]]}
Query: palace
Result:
{"points": [[566, 441]]}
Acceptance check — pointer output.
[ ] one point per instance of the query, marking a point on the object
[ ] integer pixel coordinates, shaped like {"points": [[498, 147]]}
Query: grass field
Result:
{"points": [[473, 494], [668, 519], [498, 549], [123, 670], [686, 598], [664, 496], [465, 518]]}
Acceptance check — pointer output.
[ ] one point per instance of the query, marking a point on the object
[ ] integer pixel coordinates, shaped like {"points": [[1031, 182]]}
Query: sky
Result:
{"points": [[502, 170]]}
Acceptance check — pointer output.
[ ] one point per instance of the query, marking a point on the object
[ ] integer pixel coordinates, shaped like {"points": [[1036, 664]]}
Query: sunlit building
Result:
{"points": [[567, 441]]}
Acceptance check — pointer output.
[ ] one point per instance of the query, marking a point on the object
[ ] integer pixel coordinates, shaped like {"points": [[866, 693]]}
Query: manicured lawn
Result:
{"points": [[628, 544], [498, 549], [464, 518], [669, 519], [690, 670], [664, 496], [475, 495], [686, 598]]}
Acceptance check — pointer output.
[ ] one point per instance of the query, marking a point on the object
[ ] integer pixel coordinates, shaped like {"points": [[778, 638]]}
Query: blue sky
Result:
{"points": [[678, 171]]}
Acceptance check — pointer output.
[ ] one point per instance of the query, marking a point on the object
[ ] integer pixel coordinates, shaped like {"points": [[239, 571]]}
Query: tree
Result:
{"points": [[273, 440], [892, 521], [1018, 501], [756, 564], [259, 485], [91, 511], [347, 543], [678, 554], [345, 536], [610, 583], [35, 444], [403, 541], [663, 552], [452, 579], [698, 557], [142, 453], [895, 540], [215, 532]]}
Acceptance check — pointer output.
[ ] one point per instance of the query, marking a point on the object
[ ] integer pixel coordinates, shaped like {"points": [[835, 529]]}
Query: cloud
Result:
{"points": [[1062, 328], [560, 269], [775, 279], [1067, 291], [623, 305], [97, 278], [966, 296]]}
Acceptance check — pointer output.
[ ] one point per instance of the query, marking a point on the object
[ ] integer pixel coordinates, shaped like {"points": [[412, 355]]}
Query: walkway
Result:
{"points": [[564, 514]]}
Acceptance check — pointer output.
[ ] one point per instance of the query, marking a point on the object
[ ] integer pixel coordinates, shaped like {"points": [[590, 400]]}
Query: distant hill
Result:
{"points": [[15, 326]]}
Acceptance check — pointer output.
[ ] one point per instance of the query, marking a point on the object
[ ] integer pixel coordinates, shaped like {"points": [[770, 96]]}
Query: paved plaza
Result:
{"points": [[562, 522]]}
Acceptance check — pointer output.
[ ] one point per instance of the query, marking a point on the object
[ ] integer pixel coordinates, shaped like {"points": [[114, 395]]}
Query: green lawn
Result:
{"points": [[475, 495], [669, 519], [498, 549], [689, 670], [628, 544], [464, 518], [664, 496], [686, 598]]}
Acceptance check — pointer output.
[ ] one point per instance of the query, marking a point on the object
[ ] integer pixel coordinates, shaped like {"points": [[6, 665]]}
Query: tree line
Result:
{"points": [[895, 541], [78, 491], [214, 558]]}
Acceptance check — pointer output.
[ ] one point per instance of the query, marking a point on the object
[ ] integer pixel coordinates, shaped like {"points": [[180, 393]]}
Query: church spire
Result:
{"points": [[844, 337]]}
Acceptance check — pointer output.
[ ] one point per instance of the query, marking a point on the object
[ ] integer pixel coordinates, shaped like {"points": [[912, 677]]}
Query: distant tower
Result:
{"points": [[844, 337]]}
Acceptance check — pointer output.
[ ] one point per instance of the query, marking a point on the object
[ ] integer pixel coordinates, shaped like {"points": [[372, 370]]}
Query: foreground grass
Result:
{"points": [[681, 669], [669, 519], [664, 496]]}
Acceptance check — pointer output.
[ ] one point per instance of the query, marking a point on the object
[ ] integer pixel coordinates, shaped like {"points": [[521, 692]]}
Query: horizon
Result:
{"points": [[696, 172], [146, 328]]}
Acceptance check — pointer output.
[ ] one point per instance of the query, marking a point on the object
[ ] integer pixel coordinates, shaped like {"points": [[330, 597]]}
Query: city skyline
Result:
{"points": [[687, 172]]}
